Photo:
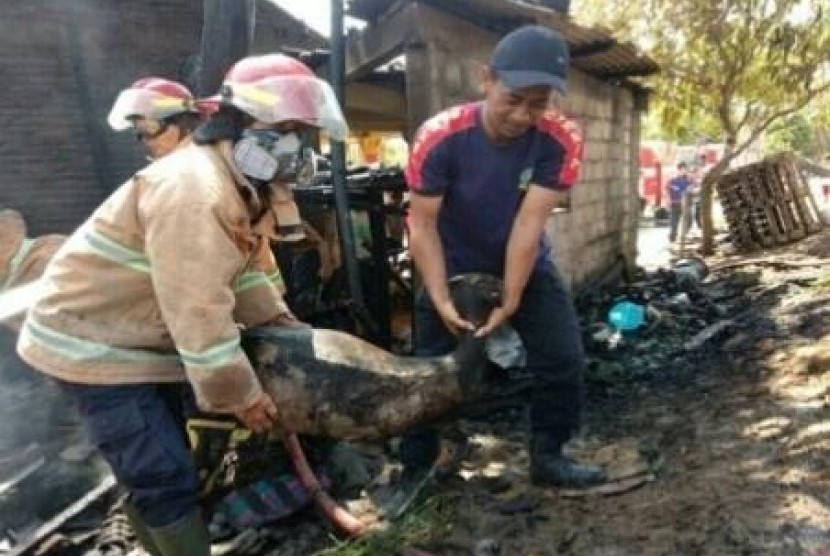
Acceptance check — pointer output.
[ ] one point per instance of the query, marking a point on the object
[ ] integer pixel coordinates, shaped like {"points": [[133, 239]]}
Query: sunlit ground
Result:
{"points": [[653, 245]]}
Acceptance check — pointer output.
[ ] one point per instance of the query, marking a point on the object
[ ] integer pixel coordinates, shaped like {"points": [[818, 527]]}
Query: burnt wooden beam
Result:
{"points": [[596, 47], [59, 520], [621, 73], [315, 59], [418, 90], [500, 25], [374, 99], [227, 34], [563, 6], [380, 43], [393, 80]]}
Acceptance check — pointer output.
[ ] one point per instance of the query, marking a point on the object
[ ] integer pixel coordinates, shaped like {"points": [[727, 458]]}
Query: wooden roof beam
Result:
{"points": [[595, 47], [378, 44], [621, 72]]}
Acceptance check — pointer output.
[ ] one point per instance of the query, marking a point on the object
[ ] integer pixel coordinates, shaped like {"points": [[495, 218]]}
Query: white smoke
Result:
{"points": [[16, 301]]}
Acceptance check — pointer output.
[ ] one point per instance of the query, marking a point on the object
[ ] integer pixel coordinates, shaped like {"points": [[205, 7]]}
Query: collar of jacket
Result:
{"points": [[250, 193], [266, 224]]}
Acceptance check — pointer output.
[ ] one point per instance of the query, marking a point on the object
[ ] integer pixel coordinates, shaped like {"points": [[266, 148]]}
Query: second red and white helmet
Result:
{"points": [[153, 98]]}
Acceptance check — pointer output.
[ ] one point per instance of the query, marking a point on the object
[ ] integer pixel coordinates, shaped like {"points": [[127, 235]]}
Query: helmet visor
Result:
{"points": [[146, 104], [303, 98]]}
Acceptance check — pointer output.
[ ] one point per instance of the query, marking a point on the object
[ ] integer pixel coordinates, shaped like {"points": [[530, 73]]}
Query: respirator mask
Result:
{"points": [[266, 155]]}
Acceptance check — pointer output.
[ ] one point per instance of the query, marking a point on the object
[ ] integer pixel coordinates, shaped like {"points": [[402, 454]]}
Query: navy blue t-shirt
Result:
{"points": [[483, 183]]}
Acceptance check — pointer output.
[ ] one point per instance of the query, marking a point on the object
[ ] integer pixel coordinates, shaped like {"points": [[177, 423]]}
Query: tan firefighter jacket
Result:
{"points": [[153, 286]]}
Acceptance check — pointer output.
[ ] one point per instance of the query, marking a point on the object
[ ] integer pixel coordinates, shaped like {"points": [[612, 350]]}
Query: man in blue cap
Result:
{"points": [[484, 179]]}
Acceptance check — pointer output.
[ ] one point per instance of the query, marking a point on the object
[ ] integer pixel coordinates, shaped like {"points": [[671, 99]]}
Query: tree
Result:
{"points": [[623, 18], [819, 117], [793, 133], [735, 66]]}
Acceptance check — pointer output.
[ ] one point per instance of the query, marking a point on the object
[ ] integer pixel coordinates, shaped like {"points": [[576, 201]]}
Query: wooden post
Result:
{"points": [[418, 90], [227, 34]]}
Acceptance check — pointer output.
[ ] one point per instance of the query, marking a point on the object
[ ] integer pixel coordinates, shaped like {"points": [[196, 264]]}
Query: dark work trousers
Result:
{"points": [[547, 323], [675, 216], [140, 431]]}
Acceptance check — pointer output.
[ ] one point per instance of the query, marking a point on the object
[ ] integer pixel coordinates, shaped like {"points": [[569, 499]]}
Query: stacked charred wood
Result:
{"points": [[768, 203]]}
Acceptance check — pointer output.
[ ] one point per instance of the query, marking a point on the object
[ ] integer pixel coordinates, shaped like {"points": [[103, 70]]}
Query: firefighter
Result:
{"points": [[149, 293], [162, 113]]}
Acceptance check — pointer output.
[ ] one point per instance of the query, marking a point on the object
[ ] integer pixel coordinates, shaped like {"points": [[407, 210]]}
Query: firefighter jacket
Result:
{"points": [[153, 287]]}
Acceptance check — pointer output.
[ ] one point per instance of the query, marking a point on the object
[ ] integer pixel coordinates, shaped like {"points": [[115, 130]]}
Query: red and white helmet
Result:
{"points": [[153, 98], [274, 88]]}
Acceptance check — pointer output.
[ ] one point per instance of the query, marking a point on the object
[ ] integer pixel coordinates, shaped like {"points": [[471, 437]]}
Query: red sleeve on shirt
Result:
{"points": [[568, 134], [427, 171]]}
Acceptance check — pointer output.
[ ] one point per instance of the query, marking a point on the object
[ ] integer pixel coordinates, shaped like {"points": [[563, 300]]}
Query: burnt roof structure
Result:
{"points": [[594, 50]]}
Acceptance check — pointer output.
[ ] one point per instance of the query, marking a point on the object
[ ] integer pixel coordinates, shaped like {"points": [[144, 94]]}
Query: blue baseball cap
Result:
{"points": [[531, 56]]}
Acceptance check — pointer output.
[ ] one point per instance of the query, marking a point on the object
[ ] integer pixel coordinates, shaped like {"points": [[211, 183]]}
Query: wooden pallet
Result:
{"points": [[768, 203]]}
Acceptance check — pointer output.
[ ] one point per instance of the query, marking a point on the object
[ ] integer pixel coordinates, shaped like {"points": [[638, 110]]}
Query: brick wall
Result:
{"points": [[602, 223], [63, 64]]}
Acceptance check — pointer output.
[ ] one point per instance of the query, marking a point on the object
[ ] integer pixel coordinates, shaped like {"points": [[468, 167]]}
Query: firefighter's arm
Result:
{"points": [[193, 264]]}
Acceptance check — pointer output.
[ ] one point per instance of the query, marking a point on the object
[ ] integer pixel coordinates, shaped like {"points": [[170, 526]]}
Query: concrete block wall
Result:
{"points": [[602, 220]]}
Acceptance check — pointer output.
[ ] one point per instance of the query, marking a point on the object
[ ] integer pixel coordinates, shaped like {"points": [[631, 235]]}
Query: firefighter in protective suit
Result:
{"points": [[161, 113], [150, 292]]}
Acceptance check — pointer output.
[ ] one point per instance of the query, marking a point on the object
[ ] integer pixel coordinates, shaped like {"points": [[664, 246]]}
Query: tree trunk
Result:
{"points": [[707, 246], [707, 190]]}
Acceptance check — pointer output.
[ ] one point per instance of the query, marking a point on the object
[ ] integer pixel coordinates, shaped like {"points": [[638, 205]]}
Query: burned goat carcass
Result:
{"points": [[329, 383]]}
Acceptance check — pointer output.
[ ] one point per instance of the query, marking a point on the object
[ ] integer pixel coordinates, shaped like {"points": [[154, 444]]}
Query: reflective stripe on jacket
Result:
{"points": [[153, 286]]}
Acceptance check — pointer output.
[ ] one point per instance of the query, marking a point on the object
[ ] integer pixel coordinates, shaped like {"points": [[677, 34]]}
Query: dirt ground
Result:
{"points": [[720, 449], [731, 445]]}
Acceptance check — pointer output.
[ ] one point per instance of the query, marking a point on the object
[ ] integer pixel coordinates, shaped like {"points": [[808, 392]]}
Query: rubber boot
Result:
{"points": [[142, 532], [549, 466], [186, 537]]}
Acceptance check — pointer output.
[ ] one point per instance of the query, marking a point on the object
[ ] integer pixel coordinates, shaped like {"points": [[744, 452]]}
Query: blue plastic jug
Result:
{"points": [[626, 316]]}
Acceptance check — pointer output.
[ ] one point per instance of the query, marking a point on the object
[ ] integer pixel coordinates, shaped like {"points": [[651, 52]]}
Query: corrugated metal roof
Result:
{"points": [[594, 50]]}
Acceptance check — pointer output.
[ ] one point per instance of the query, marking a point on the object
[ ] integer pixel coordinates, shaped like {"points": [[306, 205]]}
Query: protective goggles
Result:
{"points": [[147, 129]]}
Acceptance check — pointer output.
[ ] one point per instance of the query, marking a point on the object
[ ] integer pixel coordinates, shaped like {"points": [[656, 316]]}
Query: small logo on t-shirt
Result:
{"points": [[524, 179]]}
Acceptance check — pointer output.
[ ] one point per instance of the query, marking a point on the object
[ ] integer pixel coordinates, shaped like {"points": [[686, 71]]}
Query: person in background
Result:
{"points": [[678, 187]]}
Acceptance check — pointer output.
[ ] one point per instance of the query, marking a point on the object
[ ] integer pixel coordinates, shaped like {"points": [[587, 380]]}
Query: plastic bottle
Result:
{"points": [[626, 316]]}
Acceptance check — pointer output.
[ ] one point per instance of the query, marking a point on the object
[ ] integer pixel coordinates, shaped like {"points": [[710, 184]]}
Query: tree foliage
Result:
{"points": [[793, 133], [819, 117], [730, 68]]}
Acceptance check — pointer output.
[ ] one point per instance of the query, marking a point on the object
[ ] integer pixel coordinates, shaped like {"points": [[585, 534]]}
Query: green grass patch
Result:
{"points": [[422, 524]]}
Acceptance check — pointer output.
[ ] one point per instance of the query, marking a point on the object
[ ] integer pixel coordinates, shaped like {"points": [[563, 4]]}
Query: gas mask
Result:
{"points": [[266, 155]]}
